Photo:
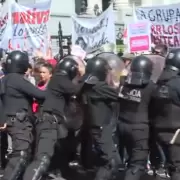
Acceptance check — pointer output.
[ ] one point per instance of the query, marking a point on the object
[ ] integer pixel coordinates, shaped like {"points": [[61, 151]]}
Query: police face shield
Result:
{"points": [[138, 78], [81, 66], [158, 66], [91, 80], [116, 64]]}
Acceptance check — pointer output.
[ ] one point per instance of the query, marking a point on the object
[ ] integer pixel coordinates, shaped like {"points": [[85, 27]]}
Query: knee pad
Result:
{"points": [[20, 166], [42, 168]]}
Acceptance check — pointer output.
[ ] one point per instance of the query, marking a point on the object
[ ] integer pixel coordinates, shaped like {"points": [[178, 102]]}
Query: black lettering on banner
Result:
{"points": [[141, 14], [3, 25], [103, 40], [79, 29], [159, 15], [171, 13], [88, 37], [30, 31], [20, 32], [2, 29], [3, 21], [151, 16], [178, 15], [165, 24]]}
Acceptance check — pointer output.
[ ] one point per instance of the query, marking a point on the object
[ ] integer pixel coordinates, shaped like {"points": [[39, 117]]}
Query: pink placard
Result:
{"points": [[139, 43]]}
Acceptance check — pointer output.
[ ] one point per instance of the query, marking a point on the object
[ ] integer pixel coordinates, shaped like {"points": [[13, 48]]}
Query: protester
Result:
{"points": [[45, 74], [29, 75]]}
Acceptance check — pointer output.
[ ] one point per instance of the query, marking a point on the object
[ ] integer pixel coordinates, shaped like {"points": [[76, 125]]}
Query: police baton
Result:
{"points": [[175, 136]]}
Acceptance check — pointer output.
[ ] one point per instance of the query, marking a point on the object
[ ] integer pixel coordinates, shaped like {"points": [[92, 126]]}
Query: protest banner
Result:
{"points": [[5, 23], [78, 51], [138, 37], [92, 33], [28, 28], [165, 23]]}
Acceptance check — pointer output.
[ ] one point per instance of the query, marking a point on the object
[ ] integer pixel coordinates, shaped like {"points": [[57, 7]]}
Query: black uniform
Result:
{"points": [[165, 111], [3, 138], [97, 130], [51, 125], [3, 135], [133, 124], [17, 95]]}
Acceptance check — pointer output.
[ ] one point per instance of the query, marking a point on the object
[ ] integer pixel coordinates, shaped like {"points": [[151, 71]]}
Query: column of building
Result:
{"points": [[120, 4]]}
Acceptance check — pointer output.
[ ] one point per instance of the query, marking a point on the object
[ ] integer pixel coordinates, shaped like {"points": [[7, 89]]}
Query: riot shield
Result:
{"points": [[158, 66], [116, 64]]}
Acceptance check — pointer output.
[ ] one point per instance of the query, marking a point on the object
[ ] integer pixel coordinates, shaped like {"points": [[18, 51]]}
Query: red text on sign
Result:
{"points": [[30, 17], [169, 35]]}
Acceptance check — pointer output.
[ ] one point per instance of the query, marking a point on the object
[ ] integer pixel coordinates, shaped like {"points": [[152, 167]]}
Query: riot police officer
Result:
{"points": [[3, 135], [97, 130], [165, 112], [157, 56], [52, 121], [17, 95], [133, 123]]}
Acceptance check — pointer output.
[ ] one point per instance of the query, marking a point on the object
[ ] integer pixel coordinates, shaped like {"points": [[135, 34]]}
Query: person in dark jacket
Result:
{"points": [[17, 95], [133, 123], [3, 137], [97, 128], [52, 123], [165, 112]]}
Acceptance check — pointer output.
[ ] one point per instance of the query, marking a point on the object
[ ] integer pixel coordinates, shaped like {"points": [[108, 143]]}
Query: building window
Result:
{"points": [[105, 4], [80, 6]]}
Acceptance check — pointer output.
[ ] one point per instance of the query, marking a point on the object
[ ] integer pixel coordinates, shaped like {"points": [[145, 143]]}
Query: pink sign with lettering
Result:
{"points": [[139, 43], [139, 37]]}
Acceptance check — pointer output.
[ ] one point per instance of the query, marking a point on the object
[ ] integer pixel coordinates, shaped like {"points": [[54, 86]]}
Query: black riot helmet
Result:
{"points": [[17, 62], [173, 60], [96, 70], [140, 71], [68, 66]]}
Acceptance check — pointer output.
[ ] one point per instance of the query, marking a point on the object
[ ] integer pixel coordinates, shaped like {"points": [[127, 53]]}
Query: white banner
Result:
{"points": [[29, 28], [5, 24], [165, 23], [92, 33]]}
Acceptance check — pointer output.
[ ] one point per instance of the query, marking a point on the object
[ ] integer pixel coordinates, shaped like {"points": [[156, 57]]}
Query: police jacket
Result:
{"points": [[97, 100], [18, 93], [134, 101], [59, 91], [165, 105]]}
